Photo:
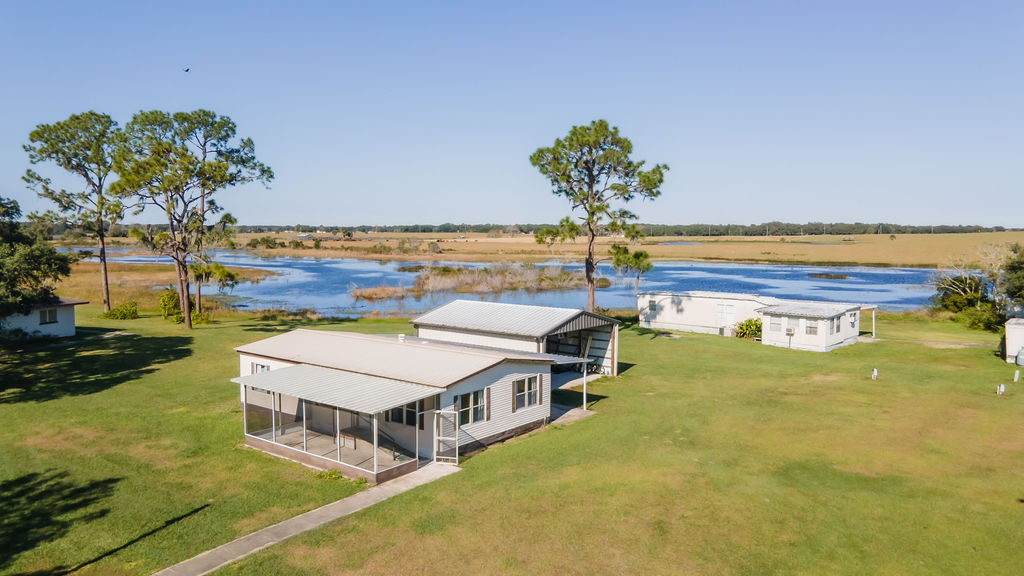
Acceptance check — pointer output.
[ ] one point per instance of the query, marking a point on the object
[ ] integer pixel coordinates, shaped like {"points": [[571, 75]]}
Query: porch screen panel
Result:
{"points": [[258, 406]]}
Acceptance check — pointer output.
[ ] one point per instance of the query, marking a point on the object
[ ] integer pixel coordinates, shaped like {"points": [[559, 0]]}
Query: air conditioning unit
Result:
{"points": [[790, 331]]}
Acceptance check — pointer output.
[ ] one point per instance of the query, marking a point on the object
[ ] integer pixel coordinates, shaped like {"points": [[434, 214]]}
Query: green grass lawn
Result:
{"points": [[708, 455], [124, 454], [719, 456]]}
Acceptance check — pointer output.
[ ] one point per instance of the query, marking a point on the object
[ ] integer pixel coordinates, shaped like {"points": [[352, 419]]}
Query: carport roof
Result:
{"points": [[511, 319], [807, 309], [348, 390]]}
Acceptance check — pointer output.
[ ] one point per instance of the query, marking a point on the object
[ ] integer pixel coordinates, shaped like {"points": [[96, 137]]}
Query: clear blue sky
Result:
{"points": [[427, 112]]}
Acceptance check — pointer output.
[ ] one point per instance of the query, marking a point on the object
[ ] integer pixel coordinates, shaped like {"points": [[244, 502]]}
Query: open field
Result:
{"points": [[923, 250], [708, 455]]}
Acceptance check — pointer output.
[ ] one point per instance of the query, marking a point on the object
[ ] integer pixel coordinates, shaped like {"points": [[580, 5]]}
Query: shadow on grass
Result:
{"points": [[274, 323], [40, 507], [574, 398], [624, 366], [85, 367]]}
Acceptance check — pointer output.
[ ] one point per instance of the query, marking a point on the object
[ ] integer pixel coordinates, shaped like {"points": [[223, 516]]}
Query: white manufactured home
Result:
{"points": [[699, 311], [798, 324], [563, 331], [373, 406], [1015, 341], [814, 326], [55, 319]]}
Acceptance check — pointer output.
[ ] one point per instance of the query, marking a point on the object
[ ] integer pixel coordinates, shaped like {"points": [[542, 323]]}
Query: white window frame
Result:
{"points": [[811, 328], [47, 316], [475, 409], [775, 323], [530, 396], [257, 368]]}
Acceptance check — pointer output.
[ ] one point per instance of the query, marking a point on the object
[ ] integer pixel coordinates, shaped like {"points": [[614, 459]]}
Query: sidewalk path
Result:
{"points": [[213, 559]]}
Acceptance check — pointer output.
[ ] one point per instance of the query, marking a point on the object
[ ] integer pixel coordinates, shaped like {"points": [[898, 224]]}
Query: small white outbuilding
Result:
{"points": [[1015, 341], [814, 326], [54, 320]]}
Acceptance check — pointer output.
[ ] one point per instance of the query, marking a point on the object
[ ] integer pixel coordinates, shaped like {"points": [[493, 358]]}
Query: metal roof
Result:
{"points": [[509, 319], [1015, 322], [806, 309], [348, 390], [416, 360]]}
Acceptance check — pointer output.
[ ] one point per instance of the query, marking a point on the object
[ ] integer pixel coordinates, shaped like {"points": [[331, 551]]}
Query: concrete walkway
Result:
{"points": [[213, 559], [562, 414]]}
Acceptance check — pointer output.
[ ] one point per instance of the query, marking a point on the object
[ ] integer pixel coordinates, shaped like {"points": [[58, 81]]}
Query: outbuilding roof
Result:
{"points": [[717, 295], [348, 390], [1015, 322], [511, 319], [807, 309], [415, 360]]}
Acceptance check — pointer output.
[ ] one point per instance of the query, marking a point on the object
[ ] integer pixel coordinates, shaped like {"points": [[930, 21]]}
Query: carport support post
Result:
{"points": [[584, 386], [245, 401], [337, 431], [273, 417], [304, 449], [872, 322], [375, 443]]}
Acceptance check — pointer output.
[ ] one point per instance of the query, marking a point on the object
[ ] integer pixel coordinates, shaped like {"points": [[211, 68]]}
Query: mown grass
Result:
{"points": [[708, 455], [123, 455], [720, 456]]}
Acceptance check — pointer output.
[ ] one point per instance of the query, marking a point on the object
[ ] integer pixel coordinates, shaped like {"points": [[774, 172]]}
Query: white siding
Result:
{"points": [[246, 361], [1014, 340], [501, 379], [705, 314], [63, 327], [478, 339], [823, 341]]}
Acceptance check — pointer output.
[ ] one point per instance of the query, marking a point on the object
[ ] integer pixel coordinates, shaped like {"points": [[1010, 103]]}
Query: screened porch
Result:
{"points": [[334, 419]]}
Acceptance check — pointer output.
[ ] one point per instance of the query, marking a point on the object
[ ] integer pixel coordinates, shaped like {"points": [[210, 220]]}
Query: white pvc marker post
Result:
{"points": [[1016, 376], [874, 373]]}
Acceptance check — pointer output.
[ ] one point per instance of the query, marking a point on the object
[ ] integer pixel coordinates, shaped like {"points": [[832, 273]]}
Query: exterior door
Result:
{"points": [[446, 431]]}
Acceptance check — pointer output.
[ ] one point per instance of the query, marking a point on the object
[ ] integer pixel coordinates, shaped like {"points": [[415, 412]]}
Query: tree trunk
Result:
{"points": [[181, 268], [104, 286], [590, 267], [199, 296]]}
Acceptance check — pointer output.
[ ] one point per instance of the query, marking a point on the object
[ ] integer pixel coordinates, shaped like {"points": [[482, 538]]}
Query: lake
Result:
{"points": [[324, 284]]}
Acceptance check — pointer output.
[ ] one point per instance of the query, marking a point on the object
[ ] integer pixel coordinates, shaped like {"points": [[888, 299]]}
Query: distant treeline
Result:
{"points": [[765, 229]]}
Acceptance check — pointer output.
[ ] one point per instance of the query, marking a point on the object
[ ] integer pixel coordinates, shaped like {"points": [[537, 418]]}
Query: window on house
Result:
{"points": [[424, 405], [652, 306], [472, 408], [839, 323], [527, 392], [792, 324], [48, 316], [775, 324], [402, 414], [853, 319], [811, 328], [259, 368]]}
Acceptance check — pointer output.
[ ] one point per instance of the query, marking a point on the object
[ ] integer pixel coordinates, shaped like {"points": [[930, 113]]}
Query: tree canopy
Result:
{"points": [[592, 169], [177, 162], [83, 145], [29, 267]]}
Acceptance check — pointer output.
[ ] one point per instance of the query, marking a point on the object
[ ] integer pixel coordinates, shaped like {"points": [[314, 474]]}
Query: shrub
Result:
{"points": [[296, 244], [983, 317], [749, 328], [169, 304], [126, 311]]}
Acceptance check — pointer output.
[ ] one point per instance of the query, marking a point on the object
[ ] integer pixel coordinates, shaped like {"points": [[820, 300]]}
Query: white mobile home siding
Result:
{"points": [[245, 366], [500, 380], [63, 327], [479, 339], [707, 313], [824, 341], [1014, 338]]}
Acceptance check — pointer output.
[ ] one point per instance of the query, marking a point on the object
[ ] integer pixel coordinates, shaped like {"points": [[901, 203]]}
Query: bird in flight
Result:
{"points": [[187, 69]]}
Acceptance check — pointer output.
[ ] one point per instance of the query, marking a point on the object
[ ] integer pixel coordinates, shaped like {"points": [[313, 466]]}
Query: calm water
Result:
{"points": [[324, 284]]}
